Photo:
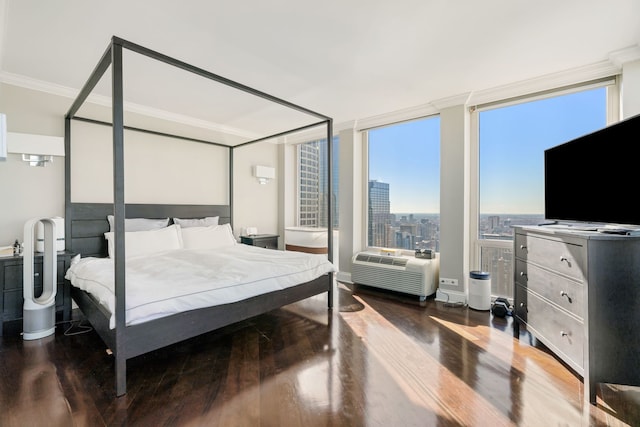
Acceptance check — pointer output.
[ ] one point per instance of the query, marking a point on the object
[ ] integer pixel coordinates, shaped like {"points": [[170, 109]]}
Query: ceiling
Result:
{"points": [[347, 59]]}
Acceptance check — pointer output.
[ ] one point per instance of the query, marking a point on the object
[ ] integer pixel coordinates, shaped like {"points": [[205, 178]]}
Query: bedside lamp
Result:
{"points": [[264, 173], [38, 150]]}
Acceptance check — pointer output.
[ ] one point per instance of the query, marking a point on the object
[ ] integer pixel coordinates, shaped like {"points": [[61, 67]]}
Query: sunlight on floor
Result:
{"points": [[423, 379]]}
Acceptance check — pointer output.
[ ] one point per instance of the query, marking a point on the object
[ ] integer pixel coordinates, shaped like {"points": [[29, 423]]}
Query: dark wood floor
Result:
{"points": [[379, 361]]}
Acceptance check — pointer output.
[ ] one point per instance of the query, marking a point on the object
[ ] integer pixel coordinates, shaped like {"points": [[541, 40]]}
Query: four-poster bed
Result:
{"points": [[86, 225]]}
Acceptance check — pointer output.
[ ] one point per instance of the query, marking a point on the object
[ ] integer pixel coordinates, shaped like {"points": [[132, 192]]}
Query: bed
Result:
{"points": [[101, 240]]}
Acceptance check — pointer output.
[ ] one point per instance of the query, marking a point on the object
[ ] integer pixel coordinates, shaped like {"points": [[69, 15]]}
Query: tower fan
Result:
{"points": [[39, 313]]}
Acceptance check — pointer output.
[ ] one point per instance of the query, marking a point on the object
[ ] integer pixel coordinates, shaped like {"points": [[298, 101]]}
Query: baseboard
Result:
{"points": [[451, 296]]}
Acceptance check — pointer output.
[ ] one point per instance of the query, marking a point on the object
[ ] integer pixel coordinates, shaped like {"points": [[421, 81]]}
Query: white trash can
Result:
{"points": [[479, 290]]}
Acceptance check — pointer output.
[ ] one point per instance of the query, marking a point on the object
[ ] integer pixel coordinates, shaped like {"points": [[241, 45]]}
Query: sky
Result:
{"points": [[512, 144], [407, 157]]}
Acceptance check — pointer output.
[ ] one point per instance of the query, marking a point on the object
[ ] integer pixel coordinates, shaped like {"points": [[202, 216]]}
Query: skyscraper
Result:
{"points": [[379, 213], [324, 183], [314, 184], [309, 179]]}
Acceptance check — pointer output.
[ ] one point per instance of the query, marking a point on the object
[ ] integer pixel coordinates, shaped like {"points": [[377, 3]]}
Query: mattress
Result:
{"points": [[178, 280], [308, 237]]}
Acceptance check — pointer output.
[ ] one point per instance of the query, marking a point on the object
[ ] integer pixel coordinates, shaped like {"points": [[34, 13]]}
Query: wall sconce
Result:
{"points": [[37, 150], [264, 173], [3, 137]]}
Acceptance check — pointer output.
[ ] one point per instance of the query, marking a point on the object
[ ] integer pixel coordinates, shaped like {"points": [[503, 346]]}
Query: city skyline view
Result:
{"points": [[511, 155], [404, 166]]}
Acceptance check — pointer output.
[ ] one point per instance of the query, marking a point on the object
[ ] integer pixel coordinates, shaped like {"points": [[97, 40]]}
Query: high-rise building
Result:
{"points": [[379, 214], [314, 184], [494, 222], [309, 181], [324, 183]]}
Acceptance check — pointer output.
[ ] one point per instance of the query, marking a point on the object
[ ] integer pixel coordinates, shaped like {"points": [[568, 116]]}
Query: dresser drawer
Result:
{"points": [[563, 257], [13, 275], [564, 292], [558, 330]]}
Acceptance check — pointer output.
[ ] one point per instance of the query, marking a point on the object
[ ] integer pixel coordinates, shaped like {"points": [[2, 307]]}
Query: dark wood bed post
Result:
{"points": [[67, 181], [330, 204], [119, 216]]}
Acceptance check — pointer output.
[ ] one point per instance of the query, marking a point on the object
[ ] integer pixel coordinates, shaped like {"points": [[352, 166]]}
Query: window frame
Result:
{"points": [[612, 86], [366, 178]]}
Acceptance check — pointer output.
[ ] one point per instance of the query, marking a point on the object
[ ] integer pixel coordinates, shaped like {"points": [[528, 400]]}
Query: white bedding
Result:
{"points": [[185, 279]]}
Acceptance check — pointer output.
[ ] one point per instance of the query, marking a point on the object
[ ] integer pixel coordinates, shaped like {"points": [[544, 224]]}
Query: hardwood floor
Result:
{"points": [[379, 362]]}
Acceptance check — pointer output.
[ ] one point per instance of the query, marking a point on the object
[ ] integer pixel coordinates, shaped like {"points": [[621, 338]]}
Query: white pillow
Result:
{"points": [[140, 224], [197, 222], [212, 237], [147, 242]]}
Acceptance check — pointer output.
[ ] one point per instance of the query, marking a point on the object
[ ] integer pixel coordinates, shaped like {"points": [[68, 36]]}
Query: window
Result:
{"points": [[313, 191], [511, 144], [404, 185]]}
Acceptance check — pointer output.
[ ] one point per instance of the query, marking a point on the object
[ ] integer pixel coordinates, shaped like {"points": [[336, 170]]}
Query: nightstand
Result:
{"points": [[269, 241], [11, 287]]}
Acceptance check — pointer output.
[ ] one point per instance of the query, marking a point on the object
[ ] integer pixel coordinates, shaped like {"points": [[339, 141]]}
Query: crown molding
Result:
{"points": [[317, 133], [105, 101], [560, 79], [402, 115], [623, 56], [452, 101], [38, 85], [557, 80]]}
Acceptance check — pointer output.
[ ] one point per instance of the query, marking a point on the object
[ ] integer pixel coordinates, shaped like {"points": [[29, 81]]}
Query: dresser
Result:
{"points": [[578, 292], [269, 241], [11, 288]]}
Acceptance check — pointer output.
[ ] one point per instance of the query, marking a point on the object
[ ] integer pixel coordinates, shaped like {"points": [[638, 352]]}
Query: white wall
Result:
{"points": [[157, 169], [351, 200], [631, 89], [255, 204], [454, 201], [28, 192]]}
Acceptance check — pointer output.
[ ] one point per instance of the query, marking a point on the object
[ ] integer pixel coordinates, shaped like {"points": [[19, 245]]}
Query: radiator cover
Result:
{"points": [[405, 274]]}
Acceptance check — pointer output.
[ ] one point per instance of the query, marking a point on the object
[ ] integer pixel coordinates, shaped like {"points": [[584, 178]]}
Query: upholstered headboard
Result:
{"points": [[86, 223]]}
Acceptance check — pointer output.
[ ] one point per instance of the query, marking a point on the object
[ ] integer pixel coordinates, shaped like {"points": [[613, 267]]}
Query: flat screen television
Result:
{"points": [[594, 179]]}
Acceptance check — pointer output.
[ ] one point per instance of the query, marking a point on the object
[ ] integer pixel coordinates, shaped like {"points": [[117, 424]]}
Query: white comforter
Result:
{"points": [[186, 279]]}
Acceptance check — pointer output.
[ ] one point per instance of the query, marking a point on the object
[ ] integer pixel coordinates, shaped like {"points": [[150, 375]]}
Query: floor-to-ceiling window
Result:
{"points": [[512, 138], [404, 185]]}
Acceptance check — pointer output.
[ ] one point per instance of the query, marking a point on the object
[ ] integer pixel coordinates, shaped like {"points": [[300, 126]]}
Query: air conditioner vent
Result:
{"points": [[397, 273], [381, 259]]}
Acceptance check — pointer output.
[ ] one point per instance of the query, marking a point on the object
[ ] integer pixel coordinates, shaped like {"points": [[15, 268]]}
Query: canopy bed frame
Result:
{"points": [[86, 223]]}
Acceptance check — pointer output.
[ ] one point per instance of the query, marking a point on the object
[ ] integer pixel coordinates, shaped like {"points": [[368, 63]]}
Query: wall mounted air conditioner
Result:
{"points": [[407, 274]]}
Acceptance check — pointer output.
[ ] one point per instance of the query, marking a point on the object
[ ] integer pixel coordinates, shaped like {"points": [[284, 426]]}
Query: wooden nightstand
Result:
{"points": [[11, 288], [269, 241]]}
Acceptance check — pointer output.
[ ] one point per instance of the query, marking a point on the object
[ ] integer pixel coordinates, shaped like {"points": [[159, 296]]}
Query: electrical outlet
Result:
{"points": [[448, 282]]}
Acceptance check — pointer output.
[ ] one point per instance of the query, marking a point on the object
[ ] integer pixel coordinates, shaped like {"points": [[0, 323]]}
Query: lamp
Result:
{"points": [[3, 137], [264, 173], [37, 150]]}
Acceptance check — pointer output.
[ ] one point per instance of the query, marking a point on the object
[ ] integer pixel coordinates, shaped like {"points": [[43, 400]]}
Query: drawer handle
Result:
{"points": [[565, 259], [523, 306], [36, 274], [564, 294], [523, 274], [523, 247], [563, 334]]}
